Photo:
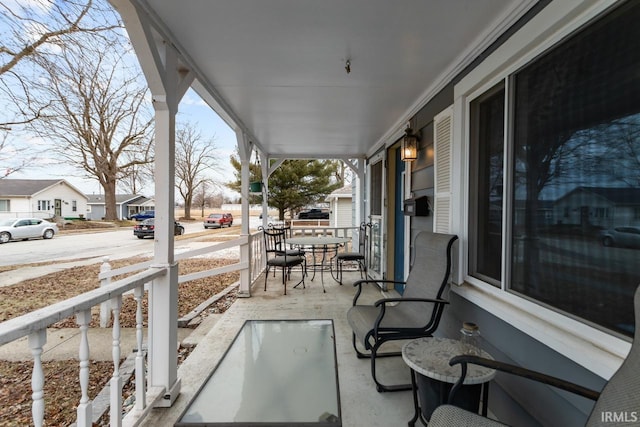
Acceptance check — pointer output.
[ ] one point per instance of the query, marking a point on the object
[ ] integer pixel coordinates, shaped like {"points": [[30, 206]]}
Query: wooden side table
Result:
{"points": [[432, 377]]}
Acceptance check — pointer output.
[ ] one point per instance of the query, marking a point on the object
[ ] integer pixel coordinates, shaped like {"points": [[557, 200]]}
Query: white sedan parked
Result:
{"points": [[26, 228]]}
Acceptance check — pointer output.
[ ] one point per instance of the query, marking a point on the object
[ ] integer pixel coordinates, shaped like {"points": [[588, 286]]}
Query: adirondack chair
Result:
{"points": [[415, 314]]}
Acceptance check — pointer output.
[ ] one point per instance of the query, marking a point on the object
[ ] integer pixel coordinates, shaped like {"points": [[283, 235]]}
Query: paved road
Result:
{"points": [[120, 242], [81, 245]]}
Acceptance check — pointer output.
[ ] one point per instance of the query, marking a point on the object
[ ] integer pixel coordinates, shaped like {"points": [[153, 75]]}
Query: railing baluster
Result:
{"points": [[141, 388], [115, 385], [84, 408], [105, 311], [37, 340]]}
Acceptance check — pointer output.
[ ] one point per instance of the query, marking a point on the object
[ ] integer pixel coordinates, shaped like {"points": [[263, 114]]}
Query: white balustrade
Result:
{"points": [[140, 371], [37, 340], [105, 279], [115, 385], [84, 408]]}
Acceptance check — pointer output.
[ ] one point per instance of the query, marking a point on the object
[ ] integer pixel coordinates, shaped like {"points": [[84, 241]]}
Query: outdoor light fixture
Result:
{"points": [[409, 146]]}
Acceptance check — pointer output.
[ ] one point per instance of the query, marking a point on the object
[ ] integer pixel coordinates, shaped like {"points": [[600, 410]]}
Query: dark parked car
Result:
{"points": [[143, 215], [314, 214], [147, 228], [216, 220], [622, 236]]}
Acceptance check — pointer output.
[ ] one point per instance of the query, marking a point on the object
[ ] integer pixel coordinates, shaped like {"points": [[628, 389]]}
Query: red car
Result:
{"points": [[216, 220]]}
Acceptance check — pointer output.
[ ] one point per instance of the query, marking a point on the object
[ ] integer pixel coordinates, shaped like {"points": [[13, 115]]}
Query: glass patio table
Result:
{"points": [[276, 373], [325, 245]]}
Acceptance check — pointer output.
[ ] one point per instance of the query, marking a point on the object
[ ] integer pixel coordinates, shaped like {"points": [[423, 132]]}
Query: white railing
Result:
{"points": [[306, 230], [34, 325]]}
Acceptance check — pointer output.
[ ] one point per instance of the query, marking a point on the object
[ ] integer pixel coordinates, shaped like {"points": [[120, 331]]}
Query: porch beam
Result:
{"points": [[272, 168]]}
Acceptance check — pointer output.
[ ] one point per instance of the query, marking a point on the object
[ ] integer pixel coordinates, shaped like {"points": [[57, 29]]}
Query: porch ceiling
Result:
{"points": [[278, 66]]}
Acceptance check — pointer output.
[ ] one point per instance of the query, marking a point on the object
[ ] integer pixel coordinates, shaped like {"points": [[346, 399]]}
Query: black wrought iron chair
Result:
{"points": [[358, 256], [621, 395], [275, 243], [415, 314]]}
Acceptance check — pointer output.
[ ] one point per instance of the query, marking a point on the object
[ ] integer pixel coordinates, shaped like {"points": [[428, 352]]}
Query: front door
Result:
{"points": [[57, 205], [398, 223], [376, 211]]}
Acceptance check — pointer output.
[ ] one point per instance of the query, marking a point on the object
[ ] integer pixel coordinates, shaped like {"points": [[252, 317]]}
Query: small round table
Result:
{"points": [[429, 358]]}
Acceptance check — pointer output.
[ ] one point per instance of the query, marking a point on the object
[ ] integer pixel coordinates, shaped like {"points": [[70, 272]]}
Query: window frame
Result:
{"points": [[597, 350]]}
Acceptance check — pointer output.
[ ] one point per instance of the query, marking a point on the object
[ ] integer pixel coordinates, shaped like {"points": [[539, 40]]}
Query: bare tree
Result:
{"points": [[134, 178], [31, 29], [98, 115], [193, 157], [12, 157], [207, 196]]}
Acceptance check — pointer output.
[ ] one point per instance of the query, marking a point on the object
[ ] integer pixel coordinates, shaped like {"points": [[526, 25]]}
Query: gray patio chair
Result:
{"points": [[358, 256], [621, 395], [415, 314]]}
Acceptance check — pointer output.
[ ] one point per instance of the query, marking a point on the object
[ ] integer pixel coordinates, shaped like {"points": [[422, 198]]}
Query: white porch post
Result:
{"points": [[264, 165], [360, 191], [163, 294], [245, 148], [358, 167]]}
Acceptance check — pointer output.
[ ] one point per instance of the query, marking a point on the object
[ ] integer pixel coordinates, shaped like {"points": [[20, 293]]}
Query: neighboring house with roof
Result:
{"points": [[126, 205], [341, 207], [42, 198], [599, 206]]}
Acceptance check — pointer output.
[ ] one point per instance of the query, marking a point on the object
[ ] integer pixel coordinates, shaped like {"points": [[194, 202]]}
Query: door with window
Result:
{"points": [[376, 218]]}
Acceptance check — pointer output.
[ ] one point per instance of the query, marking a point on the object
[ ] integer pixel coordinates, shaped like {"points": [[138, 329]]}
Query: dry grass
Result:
{"points": [[62, 390]]}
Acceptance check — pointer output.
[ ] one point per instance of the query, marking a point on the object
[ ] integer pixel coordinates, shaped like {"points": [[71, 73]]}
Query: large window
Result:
{"points": [[5, 205], [44, 205], [574, 175]]}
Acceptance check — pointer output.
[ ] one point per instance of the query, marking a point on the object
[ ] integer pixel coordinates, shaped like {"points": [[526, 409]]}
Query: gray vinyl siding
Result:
{"points": [[518, 401]]}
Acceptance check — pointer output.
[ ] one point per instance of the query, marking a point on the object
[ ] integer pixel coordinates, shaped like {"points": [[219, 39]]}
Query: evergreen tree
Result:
{"points": [[295, 184]]}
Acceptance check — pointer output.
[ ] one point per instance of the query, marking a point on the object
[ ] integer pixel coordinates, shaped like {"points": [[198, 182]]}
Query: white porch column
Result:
{"points": [[264, 166], [245, 148], [163, 294], [358, 167]]}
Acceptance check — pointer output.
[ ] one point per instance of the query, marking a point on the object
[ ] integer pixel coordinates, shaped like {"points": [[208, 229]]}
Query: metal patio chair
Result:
{"points": [[275, 244], [358, 256], [415, 314], [621, 395]]}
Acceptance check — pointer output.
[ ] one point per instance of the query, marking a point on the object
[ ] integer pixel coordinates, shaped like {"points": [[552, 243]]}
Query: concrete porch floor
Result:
{"points": [[361, 404]]}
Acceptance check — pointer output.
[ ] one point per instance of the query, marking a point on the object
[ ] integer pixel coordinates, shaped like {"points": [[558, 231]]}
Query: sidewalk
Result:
{"points": [[63, 344]]}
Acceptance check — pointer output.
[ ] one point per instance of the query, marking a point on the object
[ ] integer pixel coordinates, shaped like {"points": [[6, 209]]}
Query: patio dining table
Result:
{"points": [[325, 245]]}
